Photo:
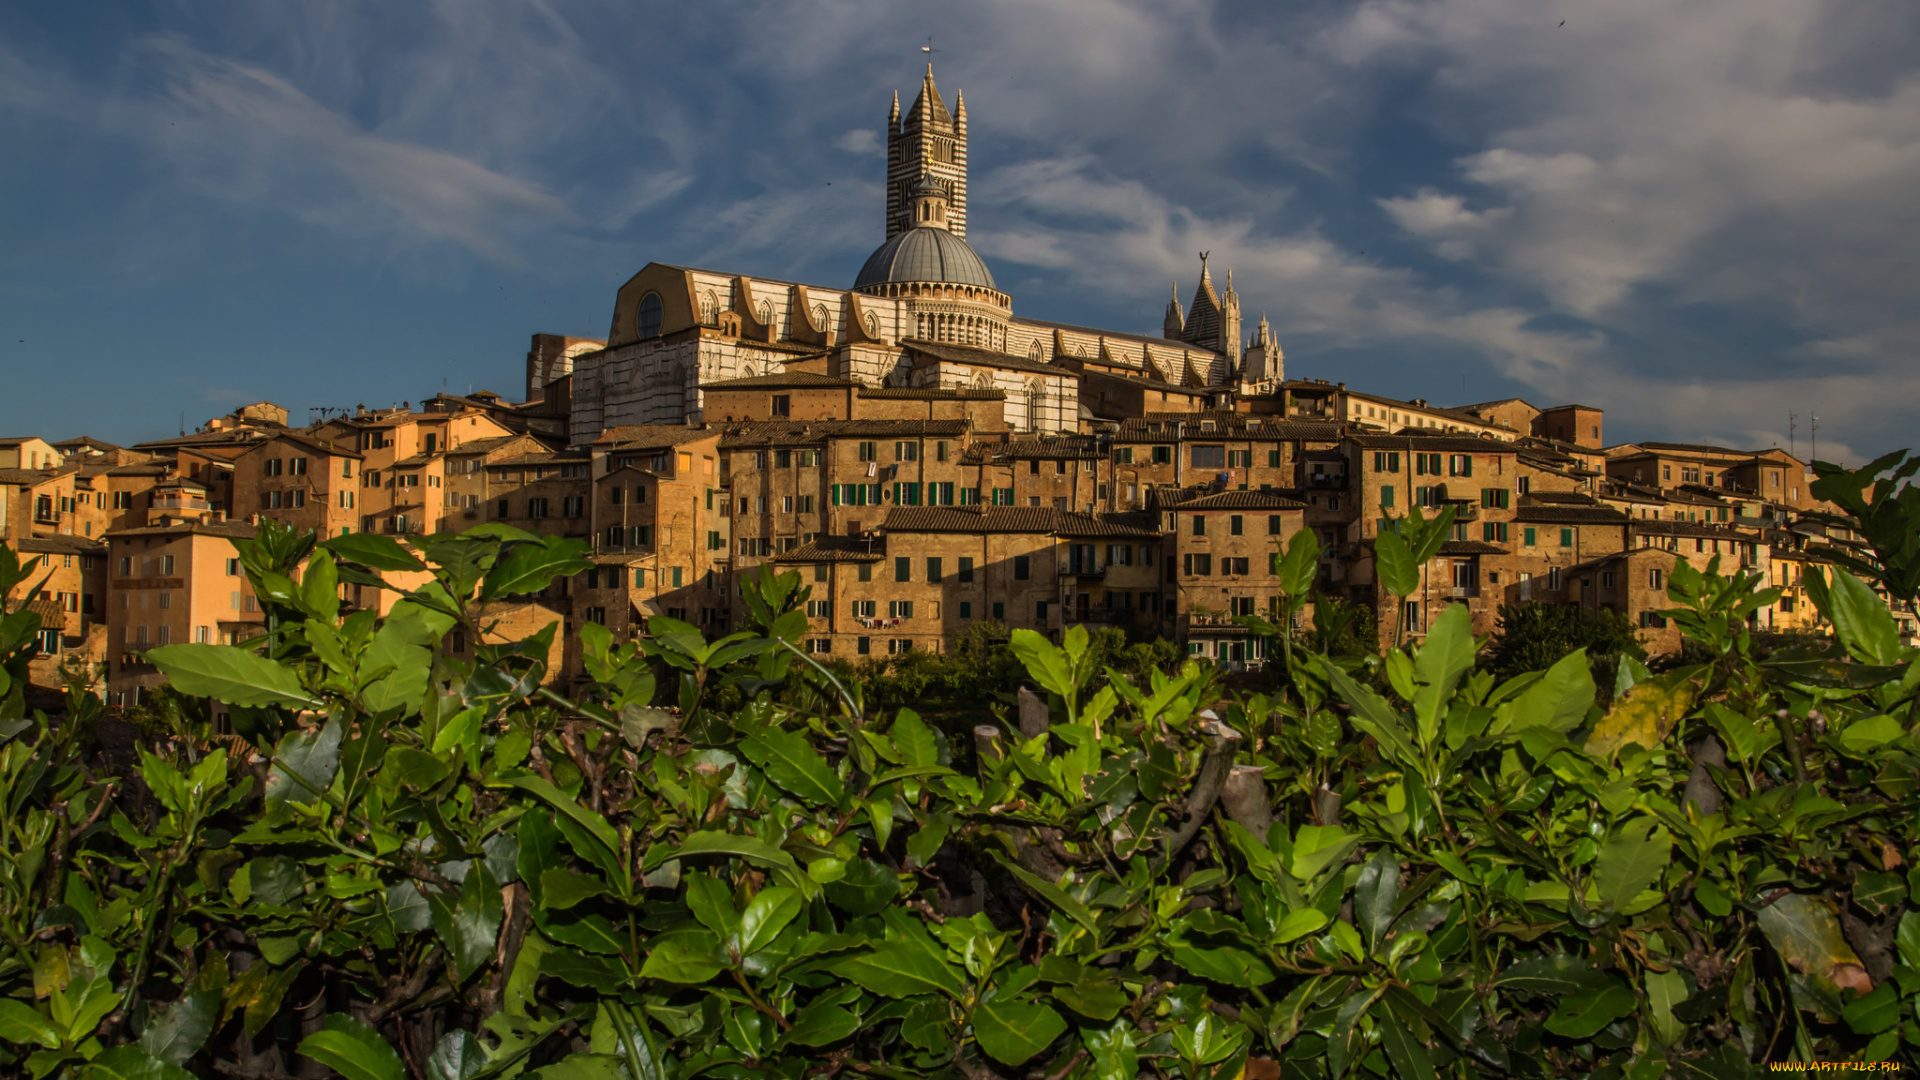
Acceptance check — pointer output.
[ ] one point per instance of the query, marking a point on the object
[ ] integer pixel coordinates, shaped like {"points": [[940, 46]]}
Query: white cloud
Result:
{"points": [[860, 141]]}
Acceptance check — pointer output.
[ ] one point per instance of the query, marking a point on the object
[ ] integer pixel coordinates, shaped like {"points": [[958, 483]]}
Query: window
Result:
{"points": [[1606, 579], [899, 609], [1022, 568], [1123, 456], [817, 609], [865, 572], [999, 611], [786, 504], [1496, 498], [1655, 578], [782, 459], [1233, 566], [863, 646], [1459, 464], [1410, 615], [1240, 605], [868, 451], [1523, 484], [1566, 538], [502, 508], [899, 645], [1553, 579], [1386, 461], [819, 645], [782, 405], [1199, 525], [1209, 457], [166, 566], [1234, 525], [647, 318], [166, 598], [1426, 464], [933, 570], [1493, 532], [1040, 612], [1652, 621], [863, 609], [906, 451], [536, 508], [1386, 496], [1196, 565], [1163, 455], [1003, 496], [574, 506], [676, 577], [1033, 467], [808, 458], [966, 609], [902, 568]]}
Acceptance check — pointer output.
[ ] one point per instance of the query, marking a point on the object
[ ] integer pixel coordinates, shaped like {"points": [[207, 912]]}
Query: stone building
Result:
{"points": [[171, 584]]}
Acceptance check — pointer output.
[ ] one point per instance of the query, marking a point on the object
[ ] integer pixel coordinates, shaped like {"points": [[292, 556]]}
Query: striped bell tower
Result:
{"points": [[927, 141]]}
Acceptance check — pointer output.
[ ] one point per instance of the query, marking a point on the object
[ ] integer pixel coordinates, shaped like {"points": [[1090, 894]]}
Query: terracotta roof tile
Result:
{"points": [[1240, 500]]}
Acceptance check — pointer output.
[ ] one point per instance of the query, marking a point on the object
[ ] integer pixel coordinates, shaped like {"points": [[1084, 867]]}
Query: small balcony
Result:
{"points": [[1327, 480], [1089, 571]]}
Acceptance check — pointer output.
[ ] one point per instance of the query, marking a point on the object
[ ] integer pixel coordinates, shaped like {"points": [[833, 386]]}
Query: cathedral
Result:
{"points": [[923, 314]]}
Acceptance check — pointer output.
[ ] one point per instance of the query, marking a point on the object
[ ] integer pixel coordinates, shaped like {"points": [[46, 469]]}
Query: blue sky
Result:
{"points": [[1699, 217]]}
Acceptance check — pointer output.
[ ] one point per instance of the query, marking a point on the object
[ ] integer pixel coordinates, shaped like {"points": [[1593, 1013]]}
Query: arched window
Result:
{"points": [[765, 313], [1036, 400], [649, 315], [820, 316], [709, 309], [1037, 353]]}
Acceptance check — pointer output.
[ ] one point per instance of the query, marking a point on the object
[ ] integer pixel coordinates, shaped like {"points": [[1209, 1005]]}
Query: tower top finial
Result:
{"points": [[1203, 264]]}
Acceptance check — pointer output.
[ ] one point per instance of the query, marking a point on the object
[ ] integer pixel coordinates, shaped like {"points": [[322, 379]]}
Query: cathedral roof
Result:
{"points": [[930, 97], [925, 253]]}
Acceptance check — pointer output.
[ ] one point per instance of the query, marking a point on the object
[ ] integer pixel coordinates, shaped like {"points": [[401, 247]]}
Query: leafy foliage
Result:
{"points": [[720, 858]]}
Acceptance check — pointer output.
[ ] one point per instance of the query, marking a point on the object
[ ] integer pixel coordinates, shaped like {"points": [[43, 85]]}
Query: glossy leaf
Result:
{"points": [[353, 1050], [1014, 1031], [230, 673], [791, 762]]}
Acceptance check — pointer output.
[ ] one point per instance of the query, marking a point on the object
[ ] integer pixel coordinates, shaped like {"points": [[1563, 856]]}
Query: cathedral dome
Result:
{"points": [[925, 253]]}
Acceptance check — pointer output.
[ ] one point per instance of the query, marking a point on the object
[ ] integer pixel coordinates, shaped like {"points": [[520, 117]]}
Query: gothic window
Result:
{"points": [[709, 309], [1080, 351], [1036, 398], [1037, 353], [764, 313], [873, 325], [748, 372], [649, 315], [820, 316]]}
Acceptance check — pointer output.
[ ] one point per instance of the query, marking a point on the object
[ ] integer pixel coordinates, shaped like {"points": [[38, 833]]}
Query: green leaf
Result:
{"points": [[767, 914], [1546, 975], [132, 1063], [593, 823], [1863, 736], [304, 764], [1223, 964], [1875, 1012], [1879, 893], [468, 922], [353, 1050], [19, 1023], [1446, 655], [373, 551], [1863, 621], [1114, 1055], [539, 851], [1013, 1031], [459, 1056], [1559, 700], [1631, 860], [585, 970], [915, 742], [1581, 1014], [407, 908], [561, 889], [1394, 564], [900, 969], [754, 851], [1044, 661], [528, 567], [683, 958], [177, 1033], [1373, 716], [1057, 896], [1409, 1058], [1713, 899], [230, 673], [1665, 990], [790, 761], [1299, 924], [1090, 997], [1374, 896], [822, 1023]]}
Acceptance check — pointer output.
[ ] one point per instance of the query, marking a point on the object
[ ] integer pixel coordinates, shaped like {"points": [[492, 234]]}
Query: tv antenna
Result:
{"points": [[1793, 425]]}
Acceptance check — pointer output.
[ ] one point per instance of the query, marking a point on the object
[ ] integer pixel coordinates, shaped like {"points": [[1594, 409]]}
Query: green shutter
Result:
{"points": [[1566, 537], [1386, 495]]}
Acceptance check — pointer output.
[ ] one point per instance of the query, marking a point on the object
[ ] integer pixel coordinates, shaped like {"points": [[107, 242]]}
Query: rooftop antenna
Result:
{"points": [[1793, 425], [1813, 422]]}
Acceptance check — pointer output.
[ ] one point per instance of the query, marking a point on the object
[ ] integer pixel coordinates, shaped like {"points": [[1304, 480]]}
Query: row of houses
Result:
{"points": [[914, 515]]}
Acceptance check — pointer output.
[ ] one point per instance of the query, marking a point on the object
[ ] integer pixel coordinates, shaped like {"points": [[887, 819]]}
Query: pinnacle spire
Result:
{"points": [[893, 118]]}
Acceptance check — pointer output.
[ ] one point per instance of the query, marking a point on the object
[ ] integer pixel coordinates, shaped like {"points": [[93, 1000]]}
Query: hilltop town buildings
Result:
{"points": [[927, 458]]}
